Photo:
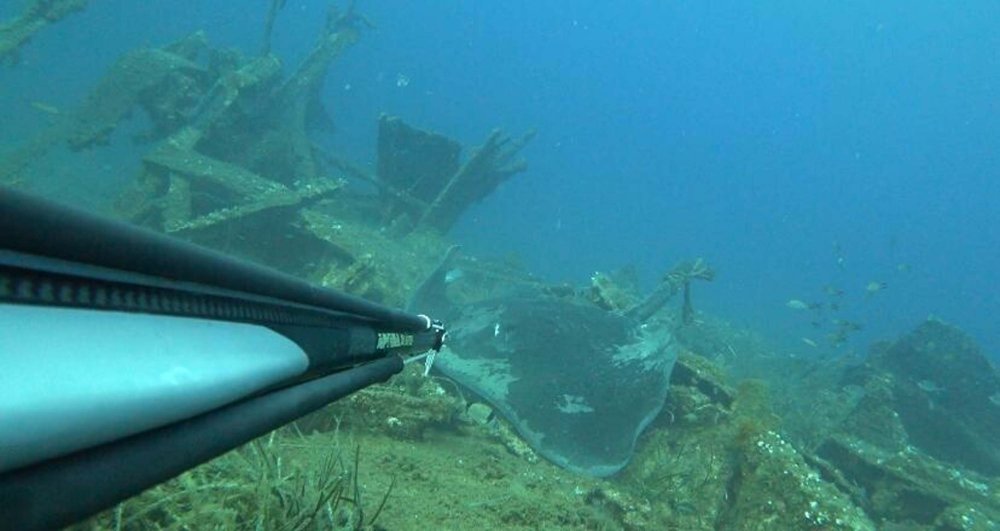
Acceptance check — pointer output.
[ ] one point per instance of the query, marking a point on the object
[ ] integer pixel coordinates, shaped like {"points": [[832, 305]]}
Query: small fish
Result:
{"points": [[928, 386], [809, 342], [847, 326], [796, 304], [874, 287], [45, 107], [903, 268]]}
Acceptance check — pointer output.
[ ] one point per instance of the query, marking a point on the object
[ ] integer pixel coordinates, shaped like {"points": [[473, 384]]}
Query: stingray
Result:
{"points": [[577, 382]]}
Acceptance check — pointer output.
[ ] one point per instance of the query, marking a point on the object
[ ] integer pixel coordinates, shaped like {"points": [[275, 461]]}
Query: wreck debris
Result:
{"points": [[931, 389], [609, 292], [412, 167], [165, 82], [423, 166], [244, 153], [909, 435], [676, 280], [289, 112], [36, 16], [231, 159], [272, 15], [619, 292], [392, 198], [907, 485], [493, 163], [140, 78]]}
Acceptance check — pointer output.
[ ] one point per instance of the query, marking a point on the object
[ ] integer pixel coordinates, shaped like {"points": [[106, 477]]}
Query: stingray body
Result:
{"points": [[577, 382]]}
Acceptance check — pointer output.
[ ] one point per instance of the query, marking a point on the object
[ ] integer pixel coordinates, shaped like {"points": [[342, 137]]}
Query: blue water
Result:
{"points": [[772, 138]]}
